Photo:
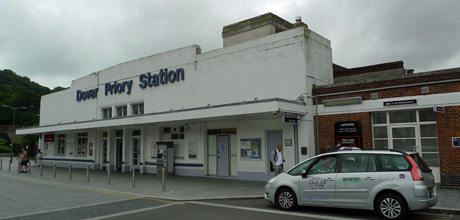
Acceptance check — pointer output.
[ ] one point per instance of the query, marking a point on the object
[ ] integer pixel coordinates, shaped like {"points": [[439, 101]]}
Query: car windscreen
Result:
{"points": [[301, 167], [423, 166]]}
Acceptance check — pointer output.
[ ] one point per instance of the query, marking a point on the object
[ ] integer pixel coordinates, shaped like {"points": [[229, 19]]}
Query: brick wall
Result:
{"points": [[326, 128], [448, 124], [393, 93]]}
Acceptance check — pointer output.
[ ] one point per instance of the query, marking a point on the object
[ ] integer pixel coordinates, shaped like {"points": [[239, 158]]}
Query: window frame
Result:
{"points": [[106, 113], [124, 111], [80, 149], [61, 144], [138, 105]]}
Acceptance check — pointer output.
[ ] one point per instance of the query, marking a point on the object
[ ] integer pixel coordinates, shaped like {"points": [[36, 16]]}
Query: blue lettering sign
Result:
{"points": [[88, 94], [117, 87], [163, 77]]}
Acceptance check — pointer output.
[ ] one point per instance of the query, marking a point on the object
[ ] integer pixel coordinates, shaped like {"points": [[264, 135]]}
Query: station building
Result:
{"points": [[223, 109], [222, 112]]}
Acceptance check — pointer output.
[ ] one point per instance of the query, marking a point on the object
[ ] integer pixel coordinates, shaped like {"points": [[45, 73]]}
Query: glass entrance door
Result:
{"points": [[404, 138]]}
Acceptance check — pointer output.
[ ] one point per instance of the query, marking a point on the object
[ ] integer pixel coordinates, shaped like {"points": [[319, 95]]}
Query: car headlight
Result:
{"points": [[271, 180]]}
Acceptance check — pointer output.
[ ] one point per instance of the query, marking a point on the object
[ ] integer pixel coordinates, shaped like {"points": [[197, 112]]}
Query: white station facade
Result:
{"points": [[224, 111]]}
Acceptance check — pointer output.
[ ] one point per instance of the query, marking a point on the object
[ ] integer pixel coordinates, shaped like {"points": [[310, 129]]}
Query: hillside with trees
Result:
{"points": [[19, 92]]}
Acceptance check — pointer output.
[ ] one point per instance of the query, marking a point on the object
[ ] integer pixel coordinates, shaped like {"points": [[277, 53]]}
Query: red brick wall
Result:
{"points": [[448, 124], [388, 93], [326, 128]]}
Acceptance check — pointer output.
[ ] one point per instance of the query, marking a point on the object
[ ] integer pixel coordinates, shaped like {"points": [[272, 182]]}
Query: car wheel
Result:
{"points": [[391, 206], [286, 199]]}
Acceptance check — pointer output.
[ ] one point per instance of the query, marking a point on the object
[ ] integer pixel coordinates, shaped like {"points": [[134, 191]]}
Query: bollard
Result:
{"points": [[1, 164], [87, 173], [70, 171], [54, 167], [134, 180], [9, 166], [163, 179], [41, 168], [108, 173]]}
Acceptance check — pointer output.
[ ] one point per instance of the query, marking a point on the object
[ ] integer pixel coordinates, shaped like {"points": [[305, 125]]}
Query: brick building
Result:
{"points": [[387, 106]]}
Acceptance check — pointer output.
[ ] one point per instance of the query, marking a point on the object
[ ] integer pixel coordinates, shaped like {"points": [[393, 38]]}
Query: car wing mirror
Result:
{"points": [[304, 173]]}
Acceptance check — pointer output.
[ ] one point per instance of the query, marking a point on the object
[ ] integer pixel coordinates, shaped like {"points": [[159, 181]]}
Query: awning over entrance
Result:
{"points": [[274, 105]]}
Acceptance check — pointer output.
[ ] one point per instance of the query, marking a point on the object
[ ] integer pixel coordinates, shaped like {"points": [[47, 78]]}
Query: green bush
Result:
{"points": [[5, 149]]}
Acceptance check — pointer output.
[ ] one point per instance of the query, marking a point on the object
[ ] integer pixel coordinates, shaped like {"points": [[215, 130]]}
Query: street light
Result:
{"points": [[14, 111], [14, 117]]}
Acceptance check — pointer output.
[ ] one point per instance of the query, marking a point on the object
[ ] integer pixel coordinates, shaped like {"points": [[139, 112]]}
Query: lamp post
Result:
{"points": [[14, 117], [14, 111]]}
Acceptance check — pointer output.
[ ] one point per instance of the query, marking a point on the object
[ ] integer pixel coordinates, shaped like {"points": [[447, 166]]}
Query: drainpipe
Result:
{"points": [[317, 125], [296, 143]]}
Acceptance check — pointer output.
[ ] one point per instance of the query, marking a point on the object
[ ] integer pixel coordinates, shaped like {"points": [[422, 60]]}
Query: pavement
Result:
{"points": [[177, 188]]}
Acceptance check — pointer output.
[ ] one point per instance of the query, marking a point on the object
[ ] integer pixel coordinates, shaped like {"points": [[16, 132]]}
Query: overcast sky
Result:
{"points": [[54, 42]]}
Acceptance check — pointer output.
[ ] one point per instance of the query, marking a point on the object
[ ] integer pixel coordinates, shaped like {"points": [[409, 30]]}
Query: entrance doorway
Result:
{"points": [[223, 149], [119, 159], [273, 139]]}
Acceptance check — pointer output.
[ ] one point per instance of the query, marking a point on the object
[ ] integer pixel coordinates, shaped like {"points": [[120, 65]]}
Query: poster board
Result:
{"points": [[250, 148], [192, 149]]}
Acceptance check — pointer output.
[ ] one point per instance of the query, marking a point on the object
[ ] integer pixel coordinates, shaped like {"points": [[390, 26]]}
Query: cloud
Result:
{"points": [[54, 42]]}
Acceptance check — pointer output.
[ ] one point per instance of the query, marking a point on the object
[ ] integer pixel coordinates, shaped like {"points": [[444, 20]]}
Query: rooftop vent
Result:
{"points": [[298, 19]]}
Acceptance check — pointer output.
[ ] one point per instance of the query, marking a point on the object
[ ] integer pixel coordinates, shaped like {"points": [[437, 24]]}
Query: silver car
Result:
{"points": [[390, 182]]}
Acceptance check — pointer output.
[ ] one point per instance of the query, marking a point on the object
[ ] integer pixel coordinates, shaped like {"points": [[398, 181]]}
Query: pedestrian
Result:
{"points": [[277, 160], [24, 161], [338, 146]]}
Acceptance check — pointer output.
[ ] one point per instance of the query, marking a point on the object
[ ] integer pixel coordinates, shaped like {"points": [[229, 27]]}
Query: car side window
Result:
{"points": [[358, 163], [325, 164], [301, 167], [371, 167], [393, 163]]}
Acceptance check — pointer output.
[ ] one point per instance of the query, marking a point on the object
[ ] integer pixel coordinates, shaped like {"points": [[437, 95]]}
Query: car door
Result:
{"points": [[356, 178], [317, 187]]}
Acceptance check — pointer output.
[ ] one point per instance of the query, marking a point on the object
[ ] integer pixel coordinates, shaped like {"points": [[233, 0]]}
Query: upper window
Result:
{"points": [[122, 111], [403, 116], [138, 109], [107, 113]]}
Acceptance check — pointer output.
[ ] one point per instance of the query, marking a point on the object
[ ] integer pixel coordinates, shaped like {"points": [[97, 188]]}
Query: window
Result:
{"points": [[138, 109], [409, 130], [122, 111], [61, 144], [402, 116], [357, 163], [107, 113], [393, 163], [429, 144], [82, 144], [174, 133], [324, 165], [379, 117]]}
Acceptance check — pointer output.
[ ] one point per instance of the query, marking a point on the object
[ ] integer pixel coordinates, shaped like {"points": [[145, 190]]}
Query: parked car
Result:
{"points": [[393, 183]]}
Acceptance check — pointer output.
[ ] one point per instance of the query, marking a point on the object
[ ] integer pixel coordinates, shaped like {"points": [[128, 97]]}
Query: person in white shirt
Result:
{"points": [[277, 159]]}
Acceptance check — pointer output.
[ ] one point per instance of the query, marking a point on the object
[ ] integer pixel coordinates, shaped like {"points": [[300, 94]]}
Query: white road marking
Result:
{"points": [[134, 211], [273, 211]]}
